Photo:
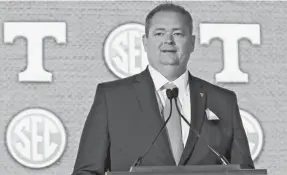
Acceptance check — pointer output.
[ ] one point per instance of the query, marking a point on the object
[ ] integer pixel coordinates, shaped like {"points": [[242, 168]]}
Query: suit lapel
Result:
{"points": [[198, 105], [146, 96]]}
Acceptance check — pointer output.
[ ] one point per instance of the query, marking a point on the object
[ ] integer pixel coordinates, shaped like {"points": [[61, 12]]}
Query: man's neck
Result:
{"points": [[170, 73]]}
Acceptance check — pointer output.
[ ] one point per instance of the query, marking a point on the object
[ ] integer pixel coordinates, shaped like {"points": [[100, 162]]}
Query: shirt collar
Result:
{"points": [[159, 80]]}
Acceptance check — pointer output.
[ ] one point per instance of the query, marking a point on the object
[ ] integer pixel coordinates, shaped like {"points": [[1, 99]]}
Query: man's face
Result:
{"points": [[169, 43]]}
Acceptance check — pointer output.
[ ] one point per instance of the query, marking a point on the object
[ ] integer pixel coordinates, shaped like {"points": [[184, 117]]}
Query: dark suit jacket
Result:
{"points": [[125, 118]]}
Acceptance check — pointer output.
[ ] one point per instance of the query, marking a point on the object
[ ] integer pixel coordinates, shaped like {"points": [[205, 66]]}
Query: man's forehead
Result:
{"points": [[164, 27]]}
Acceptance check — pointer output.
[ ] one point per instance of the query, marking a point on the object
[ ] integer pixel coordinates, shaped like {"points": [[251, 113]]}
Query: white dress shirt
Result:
{"points": [[184, 96]]}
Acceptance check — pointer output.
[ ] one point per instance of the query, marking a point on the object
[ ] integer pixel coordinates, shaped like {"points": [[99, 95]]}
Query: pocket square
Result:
{"points": [[210, 115]]}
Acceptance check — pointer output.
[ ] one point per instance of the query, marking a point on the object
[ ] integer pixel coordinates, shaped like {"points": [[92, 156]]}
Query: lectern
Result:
{"points": [[192, 170]]}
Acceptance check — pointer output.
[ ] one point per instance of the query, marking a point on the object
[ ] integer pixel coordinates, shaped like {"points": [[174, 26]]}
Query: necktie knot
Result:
{"points": [[172, 90]]}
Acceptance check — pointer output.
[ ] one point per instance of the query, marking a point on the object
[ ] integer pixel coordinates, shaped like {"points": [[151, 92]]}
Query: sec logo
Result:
{"points": [[254, 133], [124, 52], [36, 138]]}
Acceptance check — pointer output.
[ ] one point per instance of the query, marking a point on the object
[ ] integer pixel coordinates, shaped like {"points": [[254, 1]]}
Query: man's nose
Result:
{"points": [[169, 39]]}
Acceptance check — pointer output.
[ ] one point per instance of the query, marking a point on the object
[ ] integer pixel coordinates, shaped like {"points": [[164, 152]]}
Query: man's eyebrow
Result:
{"points": [[159, 29], [177, 29]]}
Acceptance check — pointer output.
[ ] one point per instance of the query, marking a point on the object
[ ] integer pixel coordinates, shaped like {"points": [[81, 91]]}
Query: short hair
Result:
{"points": [[167, 7]]}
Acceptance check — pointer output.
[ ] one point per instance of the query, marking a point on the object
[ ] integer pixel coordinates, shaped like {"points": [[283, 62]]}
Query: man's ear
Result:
{"points": [[192, 41], [144, 40]]}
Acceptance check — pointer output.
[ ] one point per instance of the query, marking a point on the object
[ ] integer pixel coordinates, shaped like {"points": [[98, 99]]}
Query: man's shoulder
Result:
{"points": [[119, 83], [215, 89]]}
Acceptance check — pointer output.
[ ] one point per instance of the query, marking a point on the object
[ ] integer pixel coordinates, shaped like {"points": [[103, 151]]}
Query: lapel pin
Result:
{"points": [[201, 94]]}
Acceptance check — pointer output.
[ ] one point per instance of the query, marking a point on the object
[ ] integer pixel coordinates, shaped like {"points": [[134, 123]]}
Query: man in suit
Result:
{"points": [[127, 114]]}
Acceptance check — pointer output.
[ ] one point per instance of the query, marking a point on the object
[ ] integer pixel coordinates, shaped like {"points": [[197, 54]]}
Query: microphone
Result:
{"points": [[137, 162], [221, 157]]}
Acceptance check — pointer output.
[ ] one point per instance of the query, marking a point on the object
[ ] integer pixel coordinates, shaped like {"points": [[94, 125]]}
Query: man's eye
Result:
{"points": [[158, 34], [178, 34]]}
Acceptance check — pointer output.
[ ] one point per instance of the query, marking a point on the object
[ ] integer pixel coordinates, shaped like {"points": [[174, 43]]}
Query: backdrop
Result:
{"points": [[42, 115]]}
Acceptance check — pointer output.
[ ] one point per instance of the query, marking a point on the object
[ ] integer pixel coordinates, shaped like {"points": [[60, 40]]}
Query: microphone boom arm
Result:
{"points": [[221, 157], [139, 159]]}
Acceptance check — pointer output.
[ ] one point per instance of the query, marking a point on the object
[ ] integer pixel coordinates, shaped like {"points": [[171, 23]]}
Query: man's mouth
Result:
{"points": [[168, 51]]}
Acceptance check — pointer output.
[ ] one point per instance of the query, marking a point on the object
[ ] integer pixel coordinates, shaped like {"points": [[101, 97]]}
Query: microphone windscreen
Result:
{"points": [[169, 93], [175, 92]]}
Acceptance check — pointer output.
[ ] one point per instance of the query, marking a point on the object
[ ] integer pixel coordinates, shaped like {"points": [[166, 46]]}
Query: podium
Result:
{"points": [[191, 170]]}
